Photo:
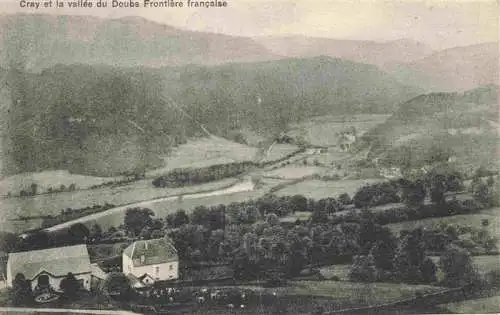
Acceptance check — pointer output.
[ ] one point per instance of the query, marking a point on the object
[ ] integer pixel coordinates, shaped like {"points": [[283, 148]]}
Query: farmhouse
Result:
{"points": [[46, 268], [149, 261], [345, 140]]}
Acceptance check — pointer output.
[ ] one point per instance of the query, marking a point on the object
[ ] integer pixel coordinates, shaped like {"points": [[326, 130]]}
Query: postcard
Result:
{"points": [[249, 157]]}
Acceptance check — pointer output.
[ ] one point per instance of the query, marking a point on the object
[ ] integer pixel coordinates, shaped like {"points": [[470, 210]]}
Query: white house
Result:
{"points": [[46, 268], [346, 140], [150, 261]]}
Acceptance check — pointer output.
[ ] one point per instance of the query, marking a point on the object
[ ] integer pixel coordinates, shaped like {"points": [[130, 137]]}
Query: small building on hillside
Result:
{"points": [[46, 268], [150, 261], [346, 139]]}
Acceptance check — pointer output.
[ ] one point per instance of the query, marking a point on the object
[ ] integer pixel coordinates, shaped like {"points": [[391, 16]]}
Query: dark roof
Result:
{"points": [[155, 251], [58, 262]]}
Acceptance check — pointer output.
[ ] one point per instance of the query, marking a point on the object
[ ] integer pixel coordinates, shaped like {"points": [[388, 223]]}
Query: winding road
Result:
{"points": [[244, 185]]}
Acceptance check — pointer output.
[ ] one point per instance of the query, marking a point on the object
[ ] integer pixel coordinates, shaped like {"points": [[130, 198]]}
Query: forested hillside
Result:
{"points": [[460, 126], [92, 120]]}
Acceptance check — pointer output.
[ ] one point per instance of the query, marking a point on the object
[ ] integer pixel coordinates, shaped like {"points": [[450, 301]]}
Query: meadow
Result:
{"points": [[362, 294], [318, 189], [473, 220], [205, 152], [49, 179], [487, 305], [162, 208], [278, 151], [322, 131], [339, 271], [294, 172], [52, 204]]}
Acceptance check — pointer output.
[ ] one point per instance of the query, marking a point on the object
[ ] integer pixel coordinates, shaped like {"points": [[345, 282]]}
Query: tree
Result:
{"points": [[438, 188], [457, 266], [78, 233], [8, 242], [298, 203], [69, 285], [272, 219], [345, 199], [363, 269], [34, 188], [414, 194], [409, 256], [180, 218], [96, 232], [428, 270], [383, 253], [145, 233], [36, 240], [117, 285], [157, 234], [137, 218], [72, 187], [21, 291]]}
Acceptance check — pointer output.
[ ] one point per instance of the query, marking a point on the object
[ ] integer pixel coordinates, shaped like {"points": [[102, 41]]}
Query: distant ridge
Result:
{"points": [[382, 54], [47, 40], [456, 69]]}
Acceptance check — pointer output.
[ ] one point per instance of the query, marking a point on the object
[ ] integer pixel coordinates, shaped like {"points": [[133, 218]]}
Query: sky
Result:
{"points": [[437, 23]]}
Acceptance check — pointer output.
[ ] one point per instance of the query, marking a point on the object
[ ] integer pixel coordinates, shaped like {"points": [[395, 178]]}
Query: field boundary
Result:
{"points": [[436, 298]]}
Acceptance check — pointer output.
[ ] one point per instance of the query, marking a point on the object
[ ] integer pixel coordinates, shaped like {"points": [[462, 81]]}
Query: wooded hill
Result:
{"points": [[461, 126], [106, 120]]}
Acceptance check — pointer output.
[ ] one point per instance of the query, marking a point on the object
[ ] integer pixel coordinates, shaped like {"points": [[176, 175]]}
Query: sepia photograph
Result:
{"points": [[249, 157]]}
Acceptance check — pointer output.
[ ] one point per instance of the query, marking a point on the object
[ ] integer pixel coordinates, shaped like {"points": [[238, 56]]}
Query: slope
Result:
{"points": [[382, 54], [454, 69], [461, 127], [105, 121], [128, 41]]}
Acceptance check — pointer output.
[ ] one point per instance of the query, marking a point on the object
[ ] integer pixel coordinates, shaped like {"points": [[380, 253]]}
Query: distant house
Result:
{"points": [[149, 261], [46, 268], [346, 140], [391, 172]]}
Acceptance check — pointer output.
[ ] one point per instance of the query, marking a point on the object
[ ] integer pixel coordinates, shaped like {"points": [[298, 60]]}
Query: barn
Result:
{"points": [[46, 268]]}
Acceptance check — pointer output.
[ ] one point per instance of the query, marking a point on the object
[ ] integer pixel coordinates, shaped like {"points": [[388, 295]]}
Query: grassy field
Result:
{"points": [[294, 172], [279, 151], [339, 271], [484, 264], [301, 215], [322, 131], [53, 203], [359, 293], [205, 152], [488, 305], [14, 184], [163, 208], [474, 220], [322, 189]]}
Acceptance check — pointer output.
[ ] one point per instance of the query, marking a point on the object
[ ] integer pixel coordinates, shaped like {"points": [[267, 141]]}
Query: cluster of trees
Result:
{"points": [[394, 259], [78, 233], [22, 294], [32, 192], [405, 260], [119, 182], [413, 193], [376, 194], [35, 191], [486, 192], [192, 176]]}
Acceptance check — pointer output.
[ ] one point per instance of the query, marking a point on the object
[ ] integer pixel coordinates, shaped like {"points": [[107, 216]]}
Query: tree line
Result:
{"points": [[192, 176]]}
